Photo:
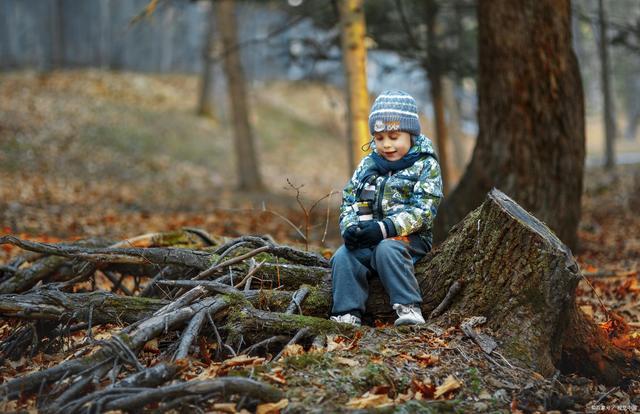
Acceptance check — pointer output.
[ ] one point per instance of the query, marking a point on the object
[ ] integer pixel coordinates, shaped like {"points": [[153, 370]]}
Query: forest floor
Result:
{"points": [[88, 154]]}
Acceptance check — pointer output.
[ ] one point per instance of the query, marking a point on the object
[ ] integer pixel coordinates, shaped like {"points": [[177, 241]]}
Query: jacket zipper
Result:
{"points": [[380, 194]]}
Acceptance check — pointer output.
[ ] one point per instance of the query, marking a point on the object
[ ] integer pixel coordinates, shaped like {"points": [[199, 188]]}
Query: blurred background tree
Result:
{"points": [[531, 116], [291, 112]]}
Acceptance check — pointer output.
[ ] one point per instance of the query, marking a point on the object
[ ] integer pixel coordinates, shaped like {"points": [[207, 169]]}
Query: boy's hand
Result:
{"points": [[369, 233], [350, 237]]}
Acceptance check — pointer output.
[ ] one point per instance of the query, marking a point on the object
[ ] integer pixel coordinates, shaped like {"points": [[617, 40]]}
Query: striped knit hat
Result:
{"points": [[394, 110]]}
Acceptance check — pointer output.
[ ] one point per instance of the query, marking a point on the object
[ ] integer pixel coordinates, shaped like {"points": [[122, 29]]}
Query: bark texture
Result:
{"points": [[531, 116], [518, 275]]}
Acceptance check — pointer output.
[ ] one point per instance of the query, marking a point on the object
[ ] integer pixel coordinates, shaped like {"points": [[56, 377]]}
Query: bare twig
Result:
{"points": [[225, 385], [286, 220], [184, 300], [296, 300], [189, 334], [210, 285], [249, 274], [326, 223], [266, 342], [218, 338], [117, 283], [210, 271], [446, 302], [298, 336]]}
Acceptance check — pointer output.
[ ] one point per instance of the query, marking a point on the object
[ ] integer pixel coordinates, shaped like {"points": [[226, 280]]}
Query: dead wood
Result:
{"points": [[110, 255], [226, 386], [133, 338], [500, 264], [23, 279], [102, 307]]}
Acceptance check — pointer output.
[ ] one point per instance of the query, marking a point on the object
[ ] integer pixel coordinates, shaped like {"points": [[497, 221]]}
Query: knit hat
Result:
{"points": [[394, 110]]}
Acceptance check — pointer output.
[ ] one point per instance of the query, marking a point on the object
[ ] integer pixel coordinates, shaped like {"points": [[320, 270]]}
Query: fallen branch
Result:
{"points": [[226, 386]]}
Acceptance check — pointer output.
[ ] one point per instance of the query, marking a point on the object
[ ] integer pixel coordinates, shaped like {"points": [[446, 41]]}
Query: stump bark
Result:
{"points": [[515, 272]]}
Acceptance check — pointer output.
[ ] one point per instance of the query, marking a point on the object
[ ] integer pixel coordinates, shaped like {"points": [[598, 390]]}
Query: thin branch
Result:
{"points": [[298, 336], [190, 333], [296, 300], [213, 269], [249, 274]]}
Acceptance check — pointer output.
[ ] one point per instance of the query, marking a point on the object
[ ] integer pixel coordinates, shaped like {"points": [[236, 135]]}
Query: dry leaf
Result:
{"points": [[241, 360], [587, 310], [370, 401], [422, 389], [537, 376], [347, 361], [427, 360], [377, 359], [292, 350], [335, 342], [209, 372], [276, 377], [449, 384], [380, 389], [152, 346], [401, 398], [272, 408]]}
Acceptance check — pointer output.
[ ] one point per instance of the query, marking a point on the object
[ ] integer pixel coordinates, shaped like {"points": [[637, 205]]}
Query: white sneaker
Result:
{"points": [[346, 318], [407, 315]]}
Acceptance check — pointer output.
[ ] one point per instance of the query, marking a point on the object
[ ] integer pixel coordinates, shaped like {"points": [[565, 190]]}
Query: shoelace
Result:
{"points": [[402, 309]]}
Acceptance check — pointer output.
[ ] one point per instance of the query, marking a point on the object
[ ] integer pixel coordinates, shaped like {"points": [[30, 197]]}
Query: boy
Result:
{"points": [[387, 213]]}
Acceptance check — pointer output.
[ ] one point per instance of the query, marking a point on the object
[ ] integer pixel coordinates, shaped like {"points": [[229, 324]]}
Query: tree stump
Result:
{"points": [[515, 272]]}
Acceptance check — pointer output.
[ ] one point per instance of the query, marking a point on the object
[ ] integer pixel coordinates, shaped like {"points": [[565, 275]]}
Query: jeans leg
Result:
{"points": [[393, 263], [349, 279]]}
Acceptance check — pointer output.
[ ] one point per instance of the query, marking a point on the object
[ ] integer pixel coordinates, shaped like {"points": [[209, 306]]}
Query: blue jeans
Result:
{"points": [[391, 260]]}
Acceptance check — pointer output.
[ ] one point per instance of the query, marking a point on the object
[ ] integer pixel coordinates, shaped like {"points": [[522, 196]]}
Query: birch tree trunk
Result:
{"points": [[531, 117], [248, 170], [354, 55]]}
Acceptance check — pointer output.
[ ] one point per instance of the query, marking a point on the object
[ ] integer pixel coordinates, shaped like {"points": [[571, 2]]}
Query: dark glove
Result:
{"points": [[350, 237], [369, 233]]}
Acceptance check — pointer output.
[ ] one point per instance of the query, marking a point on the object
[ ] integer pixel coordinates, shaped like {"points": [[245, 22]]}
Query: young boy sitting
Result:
{"points": [[387, 213]]}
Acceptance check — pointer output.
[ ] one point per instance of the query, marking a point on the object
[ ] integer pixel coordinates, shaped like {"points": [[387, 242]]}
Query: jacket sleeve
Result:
{"points": [[348, 216], [424, 201]]}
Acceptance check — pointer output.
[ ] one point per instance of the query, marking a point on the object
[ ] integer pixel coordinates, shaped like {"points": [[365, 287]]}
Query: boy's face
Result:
{"points": [[392, 145]]}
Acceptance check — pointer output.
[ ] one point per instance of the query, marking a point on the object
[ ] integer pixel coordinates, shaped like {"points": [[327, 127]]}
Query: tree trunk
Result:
{"points": [[609, 123], [247, 162], [434, 71], [454, 130], [518, 275], [354, 56], [206, 106], [57, 35], [531, 117]]}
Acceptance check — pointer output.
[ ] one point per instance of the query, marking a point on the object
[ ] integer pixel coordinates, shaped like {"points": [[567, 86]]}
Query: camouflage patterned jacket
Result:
{"points": [[408, 197]]}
